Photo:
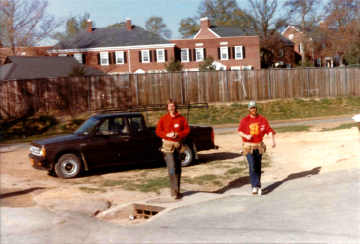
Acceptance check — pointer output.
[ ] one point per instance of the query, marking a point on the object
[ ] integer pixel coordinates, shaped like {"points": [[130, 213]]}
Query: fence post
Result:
{"points": [[89, 100], [227, 87], [137, 90], [269, 83], [308, 82], [182, 92], [345, 81]]}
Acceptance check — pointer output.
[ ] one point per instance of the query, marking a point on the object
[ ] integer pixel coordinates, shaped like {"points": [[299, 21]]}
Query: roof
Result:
{"points": [[20, 67], [226, 31], [110, 37]]}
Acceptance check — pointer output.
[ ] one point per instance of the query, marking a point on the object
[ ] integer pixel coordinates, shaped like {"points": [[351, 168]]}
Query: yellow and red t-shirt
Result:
{"points": [[257, 127]]}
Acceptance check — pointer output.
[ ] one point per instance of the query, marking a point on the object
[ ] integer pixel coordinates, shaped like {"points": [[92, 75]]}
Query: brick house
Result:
{"points": [[315, 42], [231, 48], [116, 50]]}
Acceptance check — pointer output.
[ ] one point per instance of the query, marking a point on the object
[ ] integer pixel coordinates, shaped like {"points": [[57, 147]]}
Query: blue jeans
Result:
{"points": [[254, 161]]}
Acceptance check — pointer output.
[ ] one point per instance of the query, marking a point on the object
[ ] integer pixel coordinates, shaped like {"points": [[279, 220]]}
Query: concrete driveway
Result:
{"points": [[305, 207]]}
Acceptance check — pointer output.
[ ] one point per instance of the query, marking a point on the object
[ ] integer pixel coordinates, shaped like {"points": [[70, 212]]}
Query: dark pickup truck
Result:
{"points": [[111, 139]]}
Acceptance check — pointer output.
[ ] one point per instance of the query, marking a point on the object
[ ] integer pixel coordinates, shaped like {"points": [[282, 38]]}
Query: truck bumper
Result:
{"points": [[40, 163]]}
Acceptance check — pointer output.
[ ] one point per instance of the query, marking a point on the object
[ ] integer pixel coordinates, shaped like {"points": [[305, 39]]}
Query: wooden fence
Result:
{"points": [[99, 92]]}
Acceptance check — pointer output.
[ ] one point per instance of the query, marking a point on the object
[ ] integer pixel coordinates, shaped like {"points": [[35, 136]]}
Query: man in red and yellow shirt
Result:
{"points": [[252, 129], [173, 127]]}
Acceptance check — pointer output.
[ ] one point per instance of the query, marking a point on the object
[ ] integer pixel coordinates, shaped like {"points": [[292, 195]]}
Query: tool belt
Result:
{"points": [[170, 146], [249, 147]]}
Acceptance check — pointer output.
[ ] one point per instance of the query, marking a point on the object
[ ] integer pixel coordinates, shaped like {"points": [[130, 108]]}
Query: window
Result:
{"points": [[145, 56], [119, 126], [62, 55], [281, 53], [288, 66], [247, 67], [199, 54], [185, 55], [318, 62], [322, 45], [160, 55], [291, 36], [224, 53], [104, 58], [119, 56], [78, 57], [300, 48], [136, 124], [238, 52]]}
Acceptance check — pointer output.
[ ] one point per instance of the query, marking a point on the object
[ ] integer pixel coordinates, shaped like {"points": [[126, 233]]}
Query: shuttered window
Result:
{"points": [[224, 55], [119, 57], [104, 58], [78, 57], [199, 54], [238, 52], [145, 56]]}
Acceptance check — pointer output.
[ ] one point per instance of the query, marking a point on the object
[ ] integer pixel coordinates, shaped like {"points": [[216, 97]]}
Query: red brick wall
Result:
{"points": [[251, 44], [205, 33], [132, 61], [297, 39]]}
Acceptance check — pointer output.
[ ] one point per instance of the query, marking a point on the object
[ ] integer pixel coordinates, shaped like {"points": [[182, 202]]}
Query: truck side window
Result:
{"points": [[104, 128], [119, 126], [136, 124]]}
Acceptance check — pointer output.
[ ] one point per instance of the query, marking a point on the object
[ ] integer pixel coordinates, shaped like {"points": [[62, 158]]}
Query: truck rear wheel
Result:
{"points": [[189, 156], [68, 166]]}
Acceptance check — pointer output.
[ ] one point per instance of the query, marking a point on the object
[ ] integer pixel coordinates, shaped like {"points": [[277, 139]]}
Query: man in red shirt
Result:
{"points": [[172, 128], [252, 129]]}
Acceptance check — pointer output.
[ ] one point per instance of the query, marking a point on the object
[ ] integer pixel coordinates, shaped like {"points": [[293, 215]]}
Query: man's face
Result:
{"points": [[171, 108], [253, 111]]}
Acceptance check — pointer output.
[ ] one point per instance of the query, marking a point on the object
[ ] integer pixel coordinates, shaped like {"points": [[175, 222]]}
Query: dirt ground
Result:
{"points": [[297, 154]]}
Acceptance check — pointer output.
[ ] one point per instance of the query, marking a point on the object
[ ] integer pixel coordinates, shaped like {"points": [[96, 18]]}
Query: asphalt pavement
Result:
{"points": [[306, 207]]}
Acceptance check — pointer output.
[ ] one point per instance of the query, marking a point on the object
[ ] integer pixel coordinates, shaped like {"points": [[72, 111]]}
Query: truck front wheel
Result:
{"points": [[188, 156], [68, 166]]}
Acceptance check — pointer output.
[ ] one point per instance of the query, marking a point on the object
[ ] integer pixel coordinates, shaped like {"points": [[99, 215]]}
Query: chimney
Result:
{"points": [[128, 24], [89, 25], [204, 23]]}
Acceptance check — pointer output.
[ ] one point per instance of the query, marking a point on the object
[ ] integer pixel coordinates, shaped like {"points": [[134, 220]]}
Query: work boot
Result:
{"points": [[254, 190]]}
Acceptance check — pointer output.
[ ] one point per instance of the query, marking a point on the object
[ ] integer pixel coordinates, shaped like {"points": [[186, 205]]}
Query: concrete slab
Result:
{"points": [[314, 208]]}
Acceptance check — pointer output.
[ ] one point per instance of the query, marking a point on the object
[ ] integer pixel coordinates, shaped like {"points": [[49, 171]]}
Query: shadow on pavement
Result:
{"points": [[275, 185], [17, 193], [207, 158], [246, 180]]}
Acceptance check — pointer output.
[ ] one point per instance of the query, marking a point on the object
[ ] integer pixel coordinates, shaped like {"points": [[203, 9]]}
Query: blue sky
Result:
{"points": [[108, 12]]}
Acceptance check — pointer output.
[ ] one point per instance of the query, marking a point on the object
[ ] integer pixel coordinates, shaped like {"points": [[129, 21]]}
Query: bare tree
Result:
{"points": [[303, 8], [157, 26], [342, 21], [25, 23], [265, 20]]}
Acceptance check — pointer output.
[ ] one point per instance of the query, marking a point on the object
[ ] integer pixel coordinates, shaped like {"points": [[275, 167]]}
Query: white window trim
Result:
{"points": [[246, 67], [119, 54], [300, 48], [142, 56], [226, 51], [241, 51], [202, 54], [62, 55], [187, 55], [80, 55], [107, 58], [157, 55]]}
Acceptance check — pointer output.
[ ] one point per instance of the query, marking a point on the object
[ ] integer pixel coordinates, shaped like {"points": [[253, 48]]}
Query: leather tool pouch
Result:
{"points": [[169, 146], [249, 147]]}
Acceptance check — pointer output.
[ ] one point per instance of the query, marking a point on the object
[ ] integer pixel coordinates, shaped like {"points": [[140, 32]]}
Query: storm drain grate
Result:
{"points": [[146, 211]]}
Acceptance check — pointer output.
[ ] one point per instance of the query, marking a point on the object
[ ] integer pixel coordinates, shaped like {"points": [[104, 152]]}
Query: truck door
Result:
{"points": [[139, 139]]}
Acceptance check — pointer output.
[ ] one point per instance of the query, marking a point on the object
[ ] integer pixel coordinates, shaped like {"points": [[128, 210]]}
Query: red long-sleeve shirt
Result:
{"points": [[257, 127], [169, 124]]}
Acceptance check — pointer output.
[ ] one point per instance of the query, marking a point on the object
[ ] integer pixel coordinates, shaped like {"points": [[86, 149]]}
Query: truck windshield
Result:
{"points": [[87, 126]]}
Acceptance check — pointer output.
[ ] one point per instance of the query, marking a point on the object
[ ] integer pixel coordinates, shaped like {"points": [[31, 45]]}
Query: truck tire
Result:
{"points": [[189, 156], [68, 166]]}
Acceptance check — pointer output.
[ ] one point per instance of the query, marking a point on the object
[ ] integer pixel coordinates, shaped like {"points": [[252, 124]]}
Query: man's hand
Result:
{"points": [[170, 135], [272, 144], [175, 135], [248, 137]]}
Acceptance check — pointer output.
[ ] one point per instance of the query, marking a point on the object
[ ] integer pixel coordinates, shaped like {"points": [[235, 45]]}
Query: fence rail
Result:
{"points": [[79, 94]]}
